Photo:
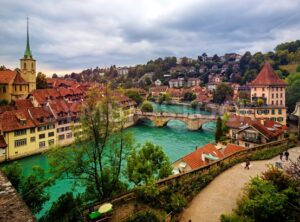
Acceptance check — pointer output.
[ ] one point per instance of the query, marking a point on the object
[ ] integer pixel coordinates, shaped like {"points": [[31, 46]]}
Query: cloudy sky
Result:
{"points": [[71, 35]]}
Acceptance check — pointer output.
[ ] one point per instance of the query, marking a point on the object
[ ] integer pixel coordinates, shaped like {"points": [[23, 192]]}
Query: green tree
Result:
{"points": [[54, 75], [14, 173], [219, 131], [98, 163], [148, 163], [3, 102], [222, 93], [134, 95], [147, 107], [41, 82], [189, 96], [292, 91], [164, 98], [66, 209], [32, 188]]}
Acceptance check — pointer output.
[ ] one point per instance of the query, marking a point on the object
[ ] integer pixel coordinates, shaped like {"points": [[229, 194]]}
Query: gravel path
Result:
{"points": [[221, 194]]}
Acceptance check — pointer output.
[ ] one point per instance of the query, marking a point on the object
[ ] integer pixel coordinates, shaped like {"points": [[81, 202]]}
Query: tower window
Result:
{"points": [[24, 65], [32, 65], [20, 88]]}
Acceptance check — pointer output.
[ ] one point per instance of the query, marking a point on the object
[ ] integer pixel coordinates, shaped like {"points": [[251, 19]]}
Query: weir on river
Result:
{"points": [[175, 139]]}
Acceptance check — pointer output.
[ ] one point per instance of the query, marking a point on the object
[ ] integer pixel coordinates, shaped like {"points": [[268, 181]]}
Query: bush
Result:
{"points": [[233, 218], [194, 104], [269, 153], [177, 203], [147, 107], [148, 216]]}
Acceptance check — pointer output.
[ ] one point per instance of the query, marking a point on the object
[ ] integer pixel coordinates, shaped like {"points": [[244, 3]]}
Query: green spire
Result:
{"points": [[27, 54]]}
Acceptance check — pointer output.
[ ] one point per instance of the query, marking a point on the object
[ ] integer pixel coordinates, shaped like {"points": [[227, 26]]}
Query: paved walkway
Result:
{"points": [[220, 195]]}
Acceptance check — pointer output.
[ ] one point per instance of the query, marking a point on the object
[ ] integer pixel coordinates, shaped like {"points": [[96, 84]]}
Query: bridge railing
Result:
{"points": [[178, 115]]}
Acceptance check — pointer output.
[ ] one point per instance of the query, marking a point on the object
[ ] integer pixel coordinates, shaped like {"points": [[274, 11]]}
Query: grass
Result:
{"points": [[291, 68]]}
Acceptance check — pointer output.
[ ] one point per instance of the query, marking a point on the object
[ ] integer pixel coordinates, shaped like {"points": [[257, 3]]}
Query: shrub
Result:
{"points": [[147, 107], [177, 203], [149, 215]]}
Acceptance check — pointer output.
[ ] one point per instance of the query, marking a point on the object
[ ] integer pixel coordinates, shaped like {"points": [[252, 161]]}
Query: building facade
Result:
{"points": [[267, 97]]}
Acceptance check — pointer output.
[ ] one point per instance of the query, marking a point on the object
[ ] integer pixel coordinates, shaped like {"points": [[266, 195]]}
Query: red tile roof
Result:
{"points": [[7, 76], [267, 76], [194, 159], [41, 115], [15, 120], [2, 142], [18, 80], [59, 106], [23, 103], [232, 148], [238, 121]]}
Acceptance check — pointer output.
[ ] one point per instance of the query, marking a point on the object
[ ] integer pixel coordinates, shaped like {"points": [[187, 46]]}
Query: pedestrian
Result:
{"points": [[281, 155], [247, 164], [286, 153]]}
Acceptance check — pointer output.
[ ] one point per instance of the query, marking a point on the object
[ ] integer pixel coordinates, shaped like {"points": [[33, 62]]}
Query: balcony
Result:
{"points": [[250, 139]]}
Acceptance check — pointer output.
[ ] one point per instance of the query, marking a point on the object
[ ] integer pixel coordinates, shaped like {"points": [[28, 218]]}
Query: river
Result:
{"points": [[175, 139]]}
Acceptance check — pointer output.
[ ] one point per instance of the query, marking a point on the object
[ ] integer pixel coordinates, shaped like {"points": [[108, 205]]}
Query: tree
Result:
{"points": [[14, 173], [65, 209], [3, 102], [134, 95], [219, 131], [147, 107], [2, 68], [148, 163], [32, 188], [222, 93], [54, 76], [189, 96], [164, 98], [292, 91], [98, 163], [41, 82]]}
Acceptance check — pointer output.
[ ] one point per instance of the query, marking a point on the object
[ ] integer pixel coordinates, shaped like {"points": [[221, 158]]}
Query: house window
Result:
{"points": [[61, 137], [32, 130], [20, 132], [263, 95], [42, 136], [276, 102], [69, 135], [50, 142], [42, 128], [273, 111], [21, 142], [51, 126], [32, 139], [67, 128], [272, 95], [263, 89], [50, 134], [4, 89], [279, 119], [246, 144], [42, 144], [277, 95], [280, 102], [62, 129], [279, 111]]}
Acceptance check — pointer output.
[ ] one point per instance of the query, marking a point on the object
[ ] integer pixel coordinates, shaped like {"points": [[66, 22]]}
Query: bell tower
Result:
{"points": [[28, 65]]}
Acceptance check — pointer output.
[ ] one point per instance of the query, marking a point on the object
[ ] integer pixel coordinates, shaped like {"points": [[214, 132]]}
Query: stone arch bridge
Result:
{"points": [[161, 119]]}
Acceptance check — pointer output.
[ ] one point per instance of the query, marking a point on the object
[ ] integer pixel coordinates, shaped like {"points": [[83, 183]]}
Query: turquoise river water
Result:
{"points": [[175, 139]]}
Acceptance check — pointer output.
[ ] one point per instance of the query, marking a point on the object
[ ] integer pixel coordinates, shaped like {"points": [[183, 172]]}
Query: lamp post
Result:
{"points": [[297, 113]]}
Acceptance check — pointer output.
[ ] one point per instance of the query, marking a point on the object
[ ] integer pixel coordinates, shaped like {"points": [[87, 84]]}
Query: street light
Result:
{"points": [[297, 113]]}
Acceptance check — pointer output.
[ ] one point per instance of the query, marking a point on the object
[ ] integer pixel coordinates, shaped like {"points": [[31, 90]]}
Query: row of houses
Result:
{"points": [[47, 118]]}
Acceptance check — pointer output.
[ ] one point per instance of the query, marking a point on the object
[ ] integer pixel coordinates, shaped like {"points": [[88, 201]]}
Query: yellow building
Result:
{"points": [[267, 97], [18, 84]]}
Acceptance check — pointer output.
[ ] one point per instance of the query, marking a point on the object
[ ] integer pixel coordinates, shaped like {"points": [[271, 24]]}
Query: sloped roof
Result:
{"points": [[194, 159], [232, 148], [19, 80], [10, 120], [23, 103], [267, 76], [7, 76], [40, 115]]}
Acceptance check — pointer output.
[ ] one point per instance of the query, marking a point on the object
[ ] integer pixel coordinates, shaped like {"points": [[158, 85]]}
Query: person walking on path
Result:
{"points": [[247, 164], [281, 155], [286, 153]]}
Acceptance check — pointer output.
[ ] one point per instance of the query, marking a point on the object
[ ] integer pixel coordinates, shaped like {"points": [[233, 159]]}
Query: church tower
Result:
{"points": [[28, 65]]}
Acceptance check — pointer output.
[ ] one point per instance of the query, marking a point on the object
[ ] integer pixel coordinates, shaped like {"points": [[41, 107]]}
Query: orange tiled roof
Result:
{"points": [[18, 80], [267, 76], [194, 159], [59, 106], [41, 115], [15, 120], [232, 148], [7, 76], [23, 103], [238, 121]]}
